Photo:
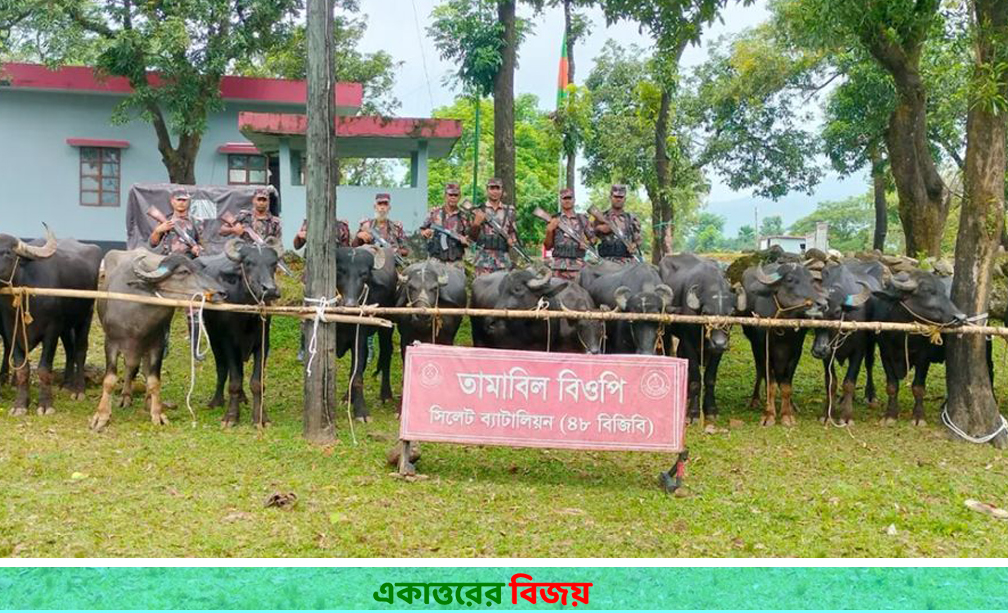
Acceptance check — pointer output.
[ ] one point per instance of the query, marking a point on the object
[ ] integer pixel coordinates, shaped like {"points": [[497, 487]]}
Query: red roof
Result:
{"points": [[83, 78]]}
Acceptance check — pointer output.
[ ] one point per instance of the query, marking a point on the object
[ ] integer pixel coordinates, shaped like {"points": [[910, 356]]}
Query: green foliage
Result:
{"points": [[745, 240], [573, 118], [625, 95], [771, 226], [598, 196], [708, 233], [537, 150], [852, 223], [467, 34]]}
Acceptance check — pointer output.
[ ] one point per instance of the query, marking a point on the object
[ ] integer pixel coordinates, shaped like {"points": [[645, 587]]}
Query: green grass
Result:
{"points": [[198, 490]]}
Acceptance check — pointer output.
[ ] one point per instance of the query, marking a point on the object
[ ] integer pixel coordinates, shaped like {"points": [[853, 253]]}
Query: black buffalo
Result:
{"points": [[848, 286], [430, 283], [45, 320], [787, 291], [913, 296], [633, 288], [365, 275], [699, 287], [137, 331], [575, 335], [520, 289], [247, 272]]}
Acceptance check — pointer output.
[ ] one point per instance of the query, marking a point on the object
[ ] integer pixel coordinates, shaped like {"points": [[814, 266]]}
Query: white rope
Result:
{"points": [[947, 420], [197, 330], [353, 366], [321, 304]]}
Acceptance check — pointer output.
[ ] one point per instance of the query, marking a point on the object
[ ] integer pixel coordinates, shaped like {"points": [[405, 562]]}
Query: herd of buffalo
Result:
{"points": [[860, 288]]}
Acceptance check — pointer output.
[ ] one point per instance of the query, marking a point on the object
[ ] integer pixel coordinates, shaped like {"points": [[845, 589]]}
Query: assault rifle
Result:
{"points": [[230, 220], [634, 251], [501, 233], [582, 241], [156, 214]]}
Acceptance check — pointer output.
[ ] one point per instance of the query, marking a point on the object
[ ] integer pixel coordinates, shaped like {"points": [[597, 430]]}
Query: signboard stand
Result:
{"points": [[531, 399]]}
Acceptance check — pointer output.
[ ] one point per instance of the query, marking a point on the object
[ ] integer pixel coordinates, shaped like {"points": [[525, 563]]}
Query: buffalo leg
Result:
{"points": [[871, 395], [770, 410], [5, 367], [710, 408], [104, 412], [359, 360], [235, 368], [829, 374], [784, 382], [22, 376], [49, 346], [130, 368], [919, 380], [385, 362], [82, 332], [757, 341], [221, 367], [154, 358], [259, 355], [69, 349], [849, 385], [687, 350]]}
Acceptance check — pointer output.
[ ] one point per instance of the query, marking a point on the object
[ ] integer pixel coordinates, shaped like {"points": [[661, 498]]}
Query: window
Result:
{"points": [[297, 168], [246, 169], [99, 176]]}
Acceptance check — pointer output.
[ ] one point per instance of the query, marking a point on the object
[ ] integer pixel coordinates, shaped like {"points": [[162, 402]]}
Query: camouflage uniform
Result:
{"points": [[494, 253], [440, 246], [342, 232], [172, 242], [568, 254], [263, 226], [392, 232], [612, 248]]}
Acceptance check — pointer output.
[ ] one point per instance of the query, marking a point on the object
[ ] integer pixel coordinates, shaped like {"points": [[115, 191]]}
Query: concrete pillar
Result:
{"points": [[293, 209]]}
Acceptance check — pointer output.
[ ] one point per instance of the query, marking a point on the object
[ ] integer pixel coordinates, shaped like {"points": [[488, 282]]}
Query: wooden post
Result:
{"points": [[320, 384]]}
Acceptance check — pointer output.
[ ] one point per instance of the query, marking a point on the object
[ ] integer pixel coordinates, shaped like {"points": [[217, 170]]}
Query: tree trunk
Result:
{"points": [[320, 385], [179, 161], [504, 148], [922, 204], [570, 36], [971, 403], [881, 210], [661, 207]]}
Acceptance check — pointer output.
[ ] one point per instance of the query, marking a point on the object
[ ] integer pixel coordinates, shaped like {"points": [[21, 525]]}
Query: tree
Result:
{"points": [[745, 240], [374, 71], [850, 223], [708, 233], [673, 24], [893, 33], [538, 147], [486, 52], [320, 383], [625, 106], [190, 43], [971, 403], [576, 25], [772, 226]]}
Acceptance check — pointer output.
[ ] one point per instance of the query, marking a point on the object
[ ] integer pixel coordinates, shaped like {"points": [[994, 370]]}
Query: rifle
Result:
{"points": [[381, 242], [443, 230], [500, 232], [563, 227], [160, 217], [636, 252], [230, 220]]}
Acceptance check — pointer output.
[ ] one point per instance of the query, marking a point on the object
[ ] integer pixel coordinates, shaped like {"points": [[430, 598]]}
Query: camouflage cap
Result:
{"points": [[618, 189], [382, 197], [180, 193], [261, 191], [452, 189], [565, 192], [495, 182]]}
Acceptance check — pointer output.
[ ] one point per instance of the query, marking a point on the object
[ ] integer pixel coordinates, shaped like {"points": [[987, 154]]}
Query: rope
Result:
{"points": [[543, 305], [321, 304], [197, 330], [353, 365], [260, 300], [22, 315], [947, 420], [834, 344]]}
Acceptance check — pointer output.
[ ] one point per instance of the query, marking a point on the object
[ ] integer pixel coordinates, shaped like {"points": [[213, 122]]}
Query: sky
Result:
{"points": [[400, 27]]}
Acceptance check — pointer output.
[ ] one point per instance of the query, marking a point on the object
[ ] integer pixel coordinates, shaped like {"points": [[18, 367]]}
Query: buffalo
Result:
{"points": [[631, 288], [365, 275], [699, 287], [430, 283], [247, 272], [137, 331], [520, 289], [911, 296], [848, 286], [784, 290], [27, 322]]}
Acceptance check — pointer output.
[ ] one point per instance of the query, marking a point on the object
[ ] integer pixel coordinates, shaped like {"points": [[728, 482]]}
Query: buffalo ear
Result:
{"points": [[442, 278], [379, 259], [740, 298], [622, 295], [883, 294], [692, 299], [555, 288]]}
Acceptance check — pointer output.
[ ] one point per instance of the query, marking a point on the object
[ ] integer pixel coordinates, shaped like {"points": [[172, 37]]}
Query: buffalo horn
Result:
{"points": [[622, 295], [767, 278], [33, 252], [541, 281], [856, 300], [232, 249], [665, 293], [276, 245], [160, 273], [904, 282]]}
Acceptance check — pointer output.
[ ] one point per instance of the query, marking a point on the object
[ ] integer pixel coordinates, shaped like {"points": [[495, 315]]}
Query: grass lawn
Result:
{"points": [[196, 490]]}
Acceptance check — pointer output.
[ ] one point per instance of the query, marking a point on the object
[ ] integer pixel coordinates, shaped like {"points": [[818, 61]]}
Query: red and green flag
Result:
{"points": [[562, 78]]}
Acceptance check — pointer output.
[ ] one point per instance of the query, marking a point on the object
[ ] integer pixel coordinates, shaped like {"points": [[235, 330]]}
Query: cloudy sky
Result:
{"points": [[400, 27]]}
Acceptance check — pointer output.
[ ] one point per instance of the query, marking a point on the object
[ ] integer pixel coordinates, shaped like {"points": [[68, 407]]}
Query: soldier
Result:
{"points": [[258, 219], [178, 233], [390, 230], [568, 253], [342, 234], [611, 247], [439, 245], [494, 252]]}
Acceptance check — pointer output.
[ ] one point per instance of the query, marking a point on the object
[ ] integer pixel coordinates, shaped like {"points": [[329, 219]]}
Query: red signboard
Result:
{"points": [[532, 399]]}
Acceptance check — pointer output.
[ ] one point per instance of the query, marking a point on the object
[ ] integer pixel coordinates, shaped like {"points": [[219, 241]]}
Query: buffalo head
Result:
{"points": [[254, 268], [924, 296]]}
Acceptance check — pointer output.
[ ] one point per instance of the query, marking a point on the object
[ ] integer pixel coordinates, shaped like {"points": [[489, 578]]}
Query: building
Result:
{"points": [[65, 163], [817, 239]]}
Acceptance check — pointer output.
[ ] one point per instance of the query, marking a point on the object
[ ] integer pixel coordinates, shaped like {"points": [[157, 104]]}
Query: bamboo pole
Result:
{"points": [[303, 312], [367, 314]]}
